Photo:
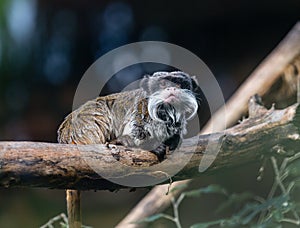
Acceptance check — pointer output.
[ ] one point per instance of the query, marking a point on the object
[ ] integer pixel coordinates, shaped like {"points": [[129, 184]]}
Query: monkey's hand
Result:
{"points": [[160, 152], [173, 142], [169, 145], [127, 141]]}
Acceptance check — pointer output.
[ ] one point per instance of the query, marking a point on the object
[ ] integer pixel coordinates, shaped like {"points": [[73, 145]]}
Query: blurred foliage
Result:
{"points": [[281, 206], [61, 220]]}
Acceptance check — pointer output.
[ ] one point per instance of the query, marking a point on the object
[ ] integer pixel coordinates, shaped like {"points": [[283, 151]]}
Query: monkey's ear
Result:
{"points": [[197, 91], [195, 85], [203, 108], [144, 84]]}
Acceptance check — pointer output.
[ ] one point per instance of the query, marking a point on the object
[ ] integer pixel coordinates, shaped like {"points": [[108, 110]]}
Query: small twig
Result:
{"points": [[259, 199], [288, 220], [293, 158], [278, 175], [280, 183], [298, 88], [290, 186], [168, 217], [169, 185], [51, 221], [175, 210]]}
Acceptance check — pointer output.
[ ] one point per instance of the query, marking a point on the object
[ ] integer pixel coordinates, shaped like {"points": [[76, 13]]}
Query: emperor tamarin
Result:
{"points": [[152, 117]]}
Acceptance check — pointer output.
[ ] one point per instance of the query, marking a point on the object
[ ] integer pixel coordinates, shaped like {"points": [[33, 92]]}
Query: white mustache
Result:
{"points": [[186, 108]]}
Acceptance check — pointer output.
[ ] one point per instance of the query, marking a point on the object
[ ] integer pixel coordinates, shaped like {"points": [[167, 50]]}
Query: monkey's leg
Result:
{"points": [[73, 207]]}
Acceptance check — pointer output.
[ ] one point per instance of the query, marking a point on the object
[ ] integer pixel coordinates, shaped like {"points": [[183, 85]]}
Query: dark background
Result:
{"points": [[46, 46]]}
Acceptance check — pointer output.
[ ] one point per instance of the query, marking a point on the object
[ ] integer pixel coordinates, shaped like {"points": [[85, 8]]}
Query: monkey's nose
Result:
{"points": [[171, 88]]}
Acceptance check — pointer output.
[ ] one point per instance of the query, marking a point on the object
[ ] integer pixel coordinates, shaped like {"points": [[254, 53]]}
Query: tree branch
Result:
{"points": [[62, 166]]}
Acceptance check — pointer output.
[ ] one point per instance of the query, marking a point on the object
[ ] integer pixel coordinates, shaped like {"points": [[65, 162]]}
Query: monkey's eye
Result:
{"points": [[162, 84]]}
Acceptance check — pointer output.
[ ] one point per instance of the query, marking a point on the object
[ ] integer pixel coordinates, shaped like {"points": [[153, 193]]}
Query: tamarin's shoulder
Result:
{"points": [[123, 99], [121, 95]]}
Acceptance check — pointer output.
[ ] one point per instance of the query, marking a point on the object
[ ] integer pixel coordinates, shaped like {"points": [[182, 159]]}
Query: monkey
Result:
{"points": [[152, 117]]}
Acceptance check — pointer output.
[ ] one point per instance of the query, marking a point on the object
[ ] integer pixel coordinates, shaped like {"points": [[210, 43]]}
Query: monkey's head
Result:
{"points": [[172, 96]]}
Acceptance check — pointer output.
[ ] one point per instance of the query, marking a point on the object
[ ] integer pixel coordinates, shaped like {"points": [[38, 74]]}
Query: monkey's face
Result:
{"points": [[170, 93], [170, 97]]}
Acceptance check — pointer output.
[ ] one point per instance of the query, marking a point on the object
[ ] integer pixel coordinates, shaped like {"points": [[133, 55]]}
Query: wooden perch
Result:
{"points": [[35, 164]]}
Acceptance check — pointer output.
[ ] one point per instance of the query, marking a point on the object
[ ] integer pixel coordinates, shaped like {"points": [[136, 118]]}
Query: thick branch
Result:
{"points": [[34, 164]]}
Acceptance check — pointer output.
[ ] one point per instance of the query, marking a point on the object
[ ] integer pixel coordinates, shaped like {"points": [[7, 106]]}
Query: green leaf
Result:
{"points": [[207, 224], [294, 168], [235, 200], [251, 210], [296, 184], [277, 215], [63, 225], [267, 224], [206, 190], [153, 218]]}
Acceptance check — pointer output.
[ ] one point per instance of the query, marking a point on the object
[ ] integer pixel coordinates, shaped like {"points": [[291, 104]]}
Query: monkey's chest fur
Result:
{"points": [[124, 118], [139, 129]]}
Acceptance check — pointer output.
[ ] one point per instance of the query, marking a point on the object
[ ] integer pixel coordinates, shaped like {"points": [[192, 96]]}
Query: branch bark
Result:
{"points": [[34, 164]]}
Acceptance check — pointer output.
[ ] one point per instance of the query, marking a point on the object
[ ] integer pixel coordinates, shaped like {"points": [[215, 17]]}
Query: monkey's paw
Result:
{"points": [[160, 152]]}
